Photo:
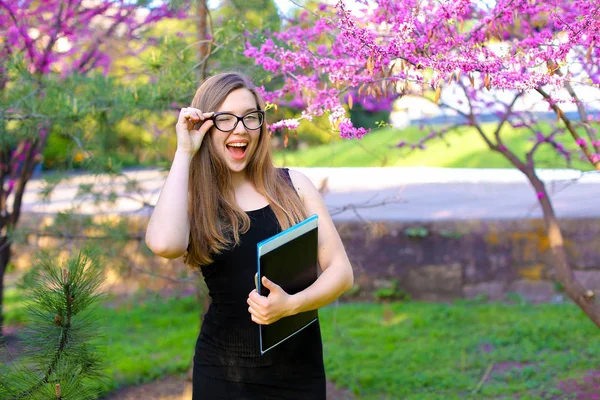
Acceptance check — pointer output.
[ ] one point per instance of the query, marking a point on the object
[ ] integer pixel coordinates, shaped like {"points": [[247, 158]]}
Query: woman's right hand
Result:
{"points": [[188, 138]]}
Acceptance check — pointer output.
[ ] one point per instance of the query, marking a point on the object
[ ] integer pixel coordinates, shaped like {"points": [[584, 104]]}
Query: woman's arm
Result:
{"points": [[337, 276], [168, 231]]}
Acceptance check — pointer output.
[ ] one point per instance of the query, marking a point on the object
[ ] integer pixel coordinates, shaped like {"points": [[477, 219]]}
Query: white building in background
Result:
{"points": [[409, 108]]}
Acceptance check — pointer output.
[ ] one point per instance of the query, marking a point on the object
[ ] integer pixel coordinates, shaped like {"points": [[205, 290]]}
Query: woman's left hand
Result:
{"points": [[269, 309]]}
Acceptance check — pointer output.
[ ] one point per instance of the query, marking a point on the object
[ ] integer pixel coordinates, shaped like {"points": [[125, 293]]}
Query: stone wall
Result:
{"points": [[428, 261], [446, 260]]}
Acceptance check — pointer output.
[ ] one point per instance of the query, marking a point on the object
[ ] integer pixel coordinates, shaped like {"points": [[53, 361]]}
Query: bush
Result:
{"points": [[368, 119]]}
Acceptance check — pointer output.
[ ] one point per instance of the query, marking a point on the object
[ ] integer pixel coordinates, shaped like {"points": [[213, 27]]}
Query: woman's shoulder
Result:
{"points": [[301, 182], [295, 174], [308, 192]]}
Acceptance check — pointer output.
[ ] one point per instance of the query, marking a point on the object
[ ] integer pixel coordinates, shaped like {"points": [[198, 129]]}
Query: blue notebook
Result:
{"points": [[290, 260]]}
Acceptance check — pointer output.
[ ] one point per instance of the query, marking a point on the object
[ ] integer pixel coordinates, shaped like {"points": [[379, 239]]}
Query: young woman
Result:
{"points": [[222, 196]]}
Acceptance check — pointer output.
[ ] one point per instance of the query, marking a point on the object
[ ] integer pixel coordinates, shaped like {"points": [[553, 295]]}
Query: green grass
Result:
{"points": [[463, 149], [435, 351], [14, 307], [150, 339], [401, 351]]}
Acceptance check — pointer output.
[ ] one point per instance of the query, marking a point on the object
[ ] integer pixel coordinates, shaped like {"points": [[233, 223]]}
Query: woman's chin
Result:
{"points": [[236, 166]]}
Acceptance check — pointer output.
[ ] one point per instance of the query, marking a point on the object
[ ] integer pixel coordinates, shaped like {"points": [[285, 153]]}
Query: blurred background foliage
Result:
{"points": [[161, 75]]}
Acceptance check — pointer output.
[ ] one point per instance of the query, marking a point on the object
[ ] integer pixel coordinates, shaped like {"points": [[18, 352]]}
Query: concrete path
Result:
{"points": [[402, 194]]}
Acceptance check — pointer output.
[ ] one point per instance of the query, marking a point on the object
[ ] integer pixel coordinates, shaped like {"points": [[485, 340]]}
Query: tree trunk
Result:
{"points": [[202, 37], [584, 298], [4, 259]]}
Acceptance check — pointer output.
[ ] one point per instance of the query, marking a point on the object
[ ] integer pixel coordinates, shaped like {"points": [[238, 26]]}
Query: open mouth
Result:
{"points": [[237, 150]]}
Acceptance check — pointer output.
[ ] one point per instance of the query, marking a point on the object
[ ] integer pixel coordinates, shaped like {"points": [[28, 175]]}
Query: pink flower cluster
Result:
{"points": [[291, 124], [410, 46], [348, 131], [68, 36], [62, 37]]}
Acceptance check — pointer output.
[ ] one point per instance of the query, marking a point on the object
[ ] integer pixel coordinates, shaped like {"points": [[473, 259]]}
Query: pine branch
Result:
{"points": [[58, 357]]}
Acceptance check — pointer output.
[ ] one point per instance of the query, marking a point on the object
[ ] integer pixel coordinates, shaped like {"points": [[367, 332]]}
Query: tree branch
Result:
{"points": [[62, 343], [471, 117], [66, 235], [582, 113], [505, 117], [3, 194], [26, 171], [168, 278], [54, 36], [486, 23], [500, 147], [28, 42], [14, 117], [367, 204], [107, 34], [570, 128], [209, 51]]}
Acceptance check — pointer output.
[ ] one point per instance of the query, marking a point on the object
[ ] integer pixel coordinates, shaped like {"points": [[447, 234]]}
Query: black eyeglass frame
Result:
{"points": [[215, 115]]}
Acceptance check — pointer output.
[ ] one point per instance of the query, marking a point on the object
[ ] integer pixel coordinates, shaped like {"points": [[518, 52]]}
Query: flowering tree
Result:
{"points": [[507, 58], [54, 61]]}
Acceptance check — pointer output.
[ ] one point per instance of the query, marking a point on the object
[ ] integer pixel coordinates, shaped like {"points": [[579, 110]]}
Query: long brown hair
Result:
{"points": [[215, 218]]}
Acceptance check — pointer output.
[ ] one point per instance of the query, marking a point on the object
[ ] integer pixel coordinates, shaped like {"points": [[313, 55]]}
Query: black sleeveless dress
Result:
{"points": [[227, 359]]}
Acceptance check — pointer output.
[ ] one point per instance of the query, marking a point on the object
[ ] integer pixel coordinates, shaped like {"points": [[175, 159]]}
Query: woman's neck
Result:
{"points": [[238, 178]]}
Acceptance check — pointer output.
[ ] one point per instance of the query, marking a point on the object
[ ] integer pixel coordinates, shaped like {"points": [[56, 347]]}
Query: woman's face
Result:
{"points": [[239, 102]]}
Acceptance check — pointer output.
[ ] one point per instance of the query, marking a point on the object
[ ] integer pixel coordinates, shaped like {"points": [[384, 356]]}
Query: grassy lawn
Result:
{"points": [[403, 350], [436, 351], [463, 149], [150, 339]]}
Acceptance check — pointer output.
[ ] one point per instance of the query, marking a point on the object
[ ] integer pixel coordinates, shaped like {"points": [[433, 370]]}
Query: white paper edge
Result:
{"points": [[287, 236]]}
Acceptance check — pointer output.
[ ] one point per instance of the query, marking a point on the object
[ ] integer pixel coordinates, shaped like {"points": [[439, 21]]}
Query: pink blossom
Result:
{"points": [[348, 131], [87, 51], [338, 51], [251, 51], [291, 124]]}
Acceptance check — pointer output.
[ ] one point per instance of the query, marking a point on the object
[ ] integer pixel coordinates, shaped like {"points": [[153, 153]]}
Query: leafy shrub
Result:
{"points": [[392, 292]]}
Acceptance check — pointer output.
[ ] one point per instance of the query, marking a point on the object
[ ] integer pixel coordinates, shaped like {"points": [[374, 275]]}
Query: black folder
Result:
{"points": [[290, 260]]}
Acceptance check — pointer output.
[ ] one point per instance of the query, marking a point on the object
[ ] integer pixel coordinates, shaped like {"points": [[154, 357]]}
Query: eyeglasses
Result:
{"points": [[227, 122]]}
